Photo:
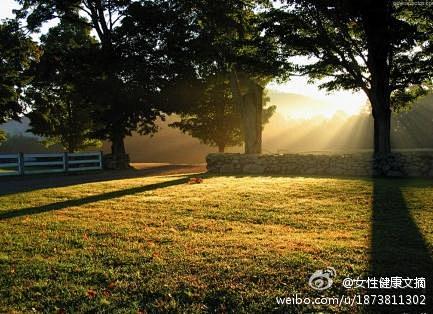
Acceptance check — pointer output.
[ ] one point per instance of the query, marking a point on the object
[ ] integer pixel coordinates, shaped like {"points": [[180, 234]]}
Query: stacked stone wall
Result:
{"points": [[408, 164]]}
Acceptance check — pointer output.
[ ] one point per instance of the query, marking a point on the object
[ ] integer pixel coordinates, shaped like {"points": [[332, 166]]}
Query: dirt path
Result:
{"points": [[9, 185]]}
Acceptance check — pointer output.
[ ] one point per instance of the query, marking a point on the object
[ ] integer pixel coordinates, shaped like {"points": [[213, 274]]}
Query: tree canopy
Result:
{"points": [[150, 58], [215, 119], [227, 41], [124, 77], [61, 111], [17, 53], [371, 46]]}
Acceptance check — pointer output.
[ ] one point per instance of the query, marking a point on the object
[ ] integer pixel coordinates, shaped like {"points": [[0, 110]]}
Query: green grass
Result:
{"points": [[229, 244]]}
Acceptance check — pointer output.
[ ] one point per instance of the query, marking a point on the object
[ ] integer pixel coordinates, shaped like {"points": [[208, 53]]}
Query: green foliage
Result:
{"points": [[373, 46], [145, 48], [120, 103], [229, 34], [351, 45], [132, 71], [225, 37], [17, 53], [66, 142], [60, 110], [215, 119], [405, 99]]}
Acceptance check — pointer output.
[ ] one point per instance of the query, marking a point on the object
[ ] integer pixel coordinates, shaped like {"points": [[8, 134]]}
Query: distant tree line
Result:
{"points": [[112, 67]]}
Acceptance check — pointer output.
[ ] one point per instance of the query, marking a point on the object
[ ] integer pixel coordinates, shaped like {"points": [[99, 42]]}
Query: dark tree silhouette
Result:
{"points": [[227, 38], [121, 104], [360, 45], [17, 53], [214, 119], [60, 111]]}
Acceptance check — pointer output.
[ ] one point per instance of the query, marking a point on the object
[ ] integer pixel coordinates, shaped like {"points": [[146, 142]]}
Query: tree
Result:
{"points": [[371, 46], [228, 39], [214, 118], [60, 110], [145, 43], [121, 104], [17, 52]]}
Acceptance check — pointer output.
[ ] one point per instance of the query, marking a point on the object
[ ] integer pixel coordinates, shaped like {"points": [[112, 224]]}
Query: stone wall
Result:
{"points": [[412, 164]]}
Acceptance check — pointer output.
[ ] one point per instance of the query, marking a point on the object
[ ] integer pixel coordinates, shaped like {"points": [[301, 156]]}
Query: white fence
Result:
{"points": [[20, 164], [10, 164]]}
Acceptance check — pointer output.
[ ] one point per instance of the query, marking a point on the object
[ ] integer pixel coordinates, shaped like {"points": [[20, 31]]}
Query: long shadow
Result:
{"points": [[398, 248], [90, 199], [12, 185]]}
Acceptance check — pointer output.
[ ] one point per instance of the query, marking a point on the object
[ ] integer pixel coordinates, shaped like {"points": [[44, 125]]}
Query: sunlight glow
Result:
{"points": [[350, 103]]}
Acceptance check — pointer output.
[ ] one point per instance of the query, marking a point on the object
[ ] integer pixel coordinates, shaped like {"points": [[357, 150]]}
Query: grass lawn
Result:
{"points": [[229, 244]]}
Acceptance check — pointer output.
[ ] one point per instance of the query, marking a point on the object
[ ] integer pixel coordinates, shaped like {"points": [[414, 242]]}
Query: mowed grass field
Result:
{"points": [[228, 244]]}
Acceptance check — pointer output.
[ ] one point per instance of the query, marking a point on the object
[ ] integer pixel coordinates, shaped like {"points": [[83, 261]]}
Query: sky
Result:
{"points": [[6, 8], [348, 102]]}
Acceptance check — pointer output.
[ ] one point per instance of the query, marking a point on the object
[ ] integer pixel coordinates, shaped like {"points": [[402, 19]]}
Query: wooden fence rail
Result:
{"points": [[10, 164], [21, 164]]}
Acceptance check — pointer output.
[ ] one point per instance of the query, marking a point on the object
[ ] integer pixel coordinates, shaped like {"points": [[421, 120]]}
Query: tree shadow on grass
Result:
{"points": [[20, 184], [90, 199], [398, 248]]}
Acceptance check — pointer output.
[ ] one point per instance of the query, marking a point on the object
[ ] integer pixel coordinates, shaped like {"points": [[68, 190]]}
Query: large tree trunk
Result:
{"points": [[249, 99], [382, 131], [377, 23], [252, 117], [221, 148], [381, 110], [118, 146], [118, 152]]}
